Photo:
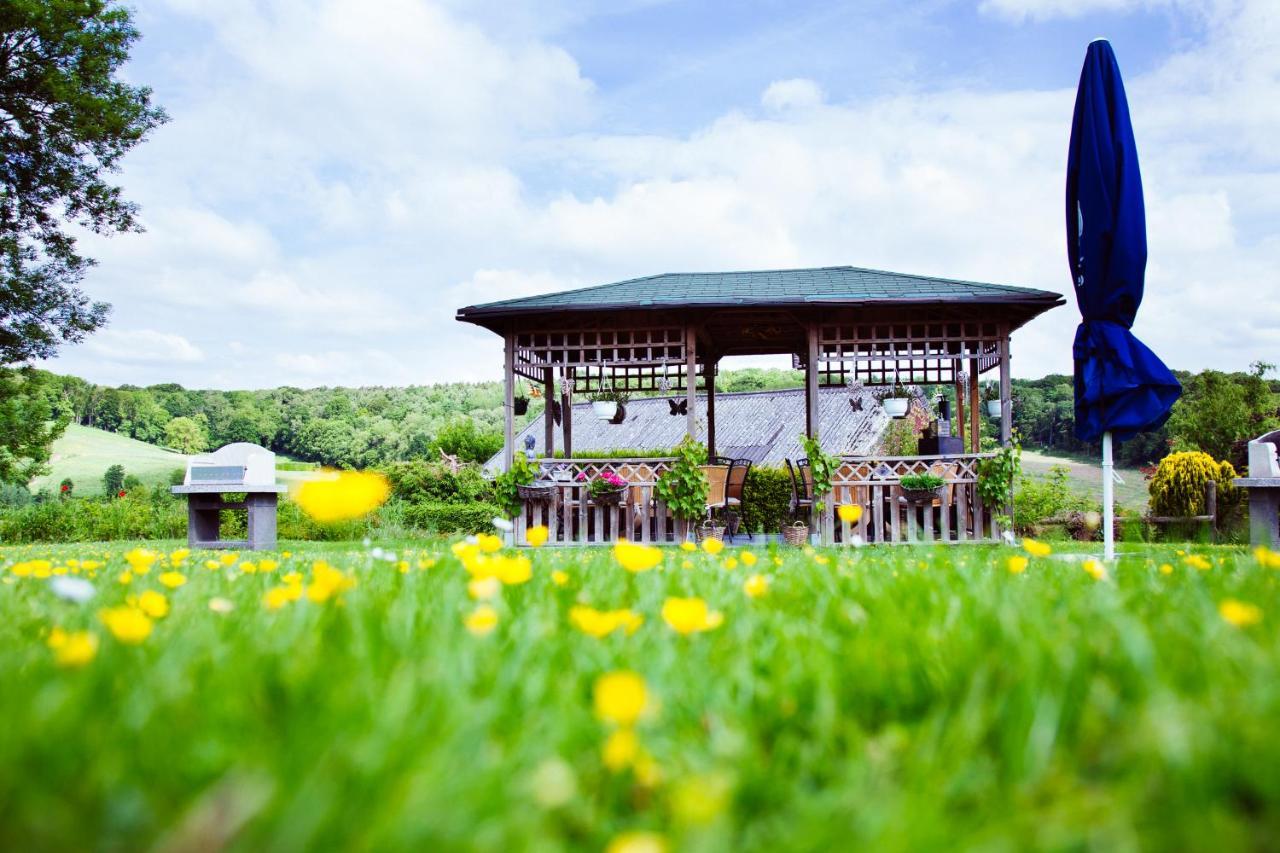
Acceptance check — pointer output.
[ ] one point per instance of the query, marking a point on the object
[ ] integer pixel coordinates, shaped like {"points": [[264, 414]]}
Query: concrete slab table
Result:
{"points": [[205, 505], [1264, 509]]}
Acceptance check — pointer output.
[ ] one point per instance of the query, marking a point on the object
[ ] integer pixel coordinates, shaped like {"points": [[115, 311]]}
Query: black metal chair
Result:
{"points": [[801, 486]]}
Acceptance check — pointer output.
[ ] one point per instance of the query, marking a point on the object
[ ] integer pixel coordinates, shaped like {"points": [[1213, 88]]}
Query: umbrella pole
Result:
{"points": [[1108, 500]]}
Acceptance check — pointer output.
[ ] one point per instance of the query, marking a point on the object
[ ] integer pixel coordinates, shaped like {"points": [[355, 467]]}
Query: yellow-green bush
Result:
{"points": [[1178, 487]]}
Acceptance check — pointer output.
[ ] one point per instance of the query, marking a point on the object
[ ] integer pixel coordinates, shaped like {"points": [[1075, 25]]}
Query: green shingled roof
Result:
{"points": [[823, 285]]}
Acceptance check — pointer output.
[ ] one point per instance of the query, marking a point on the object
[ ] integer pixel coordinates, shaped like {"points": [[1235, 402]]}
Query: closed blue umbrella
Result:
{"points": [[1121, 387]]}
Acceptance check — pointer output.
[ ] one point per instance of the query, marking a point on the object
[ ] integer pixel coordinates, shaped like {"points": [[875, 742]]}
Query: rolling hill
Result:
{"points": [[84, 454]]}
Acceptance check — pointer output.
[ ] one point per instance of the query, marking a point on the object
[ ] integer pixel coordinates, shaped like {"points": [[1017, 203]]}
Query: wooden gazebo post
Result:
{"points": [[566, 410], [691, 381], [1006, 392], [711, 407], [548, 422], [811, 384], [508, 403]]}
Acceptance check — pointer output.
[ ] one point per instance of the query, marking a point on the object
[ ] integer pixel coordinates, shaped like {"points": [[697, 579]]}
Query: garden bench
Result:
{"points": [[1263, 484]]}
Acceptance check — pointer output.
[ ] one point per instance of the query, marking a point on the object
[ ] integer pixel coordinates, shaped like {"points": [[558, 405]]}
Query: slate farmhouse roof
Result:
{"points": [[763, 426]]}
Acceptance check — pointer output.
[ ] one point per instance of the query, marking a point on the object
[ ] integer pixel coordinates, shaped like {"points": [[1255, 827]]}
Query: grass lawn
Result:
{"points": [[1085, 477], [888, 698], [84, 454]]}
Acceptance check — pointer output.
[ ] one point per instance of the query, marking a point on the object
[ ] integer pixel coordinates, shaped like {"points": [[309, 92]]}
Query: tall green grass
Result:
{"points": [[882, 698]]}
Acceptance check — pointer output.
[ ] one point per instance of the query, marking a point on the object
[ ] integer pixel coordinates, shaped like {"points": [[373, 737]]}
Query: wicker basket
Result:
{"points": [[536, 494], [709, 530], [612, 498], [920, 497], [796, 534]]}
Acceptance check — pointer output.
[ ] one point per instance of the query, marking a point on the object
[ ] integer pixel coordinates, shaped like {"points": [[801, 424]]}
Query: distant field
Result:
{"points": [[85, 453], [1086, 477]]}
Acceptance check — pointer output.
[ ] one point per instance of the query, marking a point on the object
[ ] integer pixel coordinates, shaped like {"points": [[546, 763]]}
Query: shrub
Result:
{"points": [[683, 488], [14, 494], [1178, 487], [420, 482], [1038, 499], [766, 499], [439, 517], [113, 480]]}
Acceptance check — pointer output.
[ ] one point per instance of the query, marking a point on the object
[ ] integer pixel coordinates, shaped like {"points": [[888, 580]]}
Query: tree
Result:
{"points": [[185, 435], [1218, 409], [113, 480], [28, 426], [65, 122], [461, 438]]}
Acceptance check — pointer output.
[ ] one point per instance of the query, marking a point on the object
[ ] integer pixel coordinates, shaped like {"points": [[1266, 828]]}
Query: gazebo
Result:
{"points": [[844, 324]]}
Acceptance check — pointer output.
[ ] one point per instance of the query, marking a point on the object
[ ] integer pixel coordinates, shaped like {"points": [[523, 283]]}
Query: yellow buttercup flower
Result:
{"points": [[1017, 564], [601, 623], [125, 578], [756, 586], [1196, 561], [748, 559], [178, 557], [140, 560], [1095, 569], [228, 558], [212, 565], [1239, 613], [127, 624], [620, 750], [537, 535], [620, 697], [488, 542], [249, 567], [267, 565], [637, 842], [343, 495], [1267, 558], [173, 580], [153, 604], [482, 620], [512, 570], [849, 513], [712, 546], [559, 577], [729, 564], [690, 615], [73, 649], [1166, 569], [636, 557], [326, 581], [686, 545], [1036, 549]]}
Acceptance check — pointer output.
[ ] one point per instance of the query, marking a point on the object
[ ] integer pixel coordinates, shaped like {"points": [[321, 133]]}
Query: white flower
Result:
{"points": [[376, 553], [503, 524], [856, 541], [78, 590], [1009, 538]]}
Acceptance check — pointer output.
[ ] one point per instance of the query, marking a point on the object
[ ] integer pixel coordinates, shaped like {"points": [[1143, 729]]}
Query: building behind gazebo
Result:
{"points": [[669, 332]]}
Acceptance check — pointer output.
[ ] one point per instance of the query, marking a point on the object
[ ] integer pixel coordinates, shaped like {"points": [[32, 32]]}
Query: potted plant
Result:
{"points": [[895, 399], [996, 476], [609, 404], [606, 489], [520, 403], [683, 488], [822, 469], [511, 488], [991, 399], [921, 488]]}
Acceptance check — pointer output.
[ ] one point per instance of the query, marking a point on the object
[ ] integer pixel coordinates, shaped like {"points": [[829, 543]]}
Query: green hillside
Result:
{"points": [[85, 453]]}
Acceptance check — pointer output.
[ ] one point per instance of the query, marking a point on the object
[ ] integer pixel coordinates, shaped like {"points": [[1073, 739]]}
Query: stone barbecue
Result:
{"points": [[239, 468]]}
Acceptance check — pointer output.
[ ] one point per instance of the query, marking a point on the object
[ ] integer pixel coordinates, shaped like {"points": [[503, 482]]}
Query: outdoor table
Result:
{"points": [[1264, 509]]}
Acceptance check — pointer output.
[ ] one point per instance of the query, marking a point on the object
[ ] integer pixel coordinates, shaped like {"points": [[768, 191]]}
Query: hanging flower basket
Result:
{"points": [[521, 405], [993, 408], [896, 407], [539, 493], [795, 534], [609, 498], [921, 497], [606, 410]]}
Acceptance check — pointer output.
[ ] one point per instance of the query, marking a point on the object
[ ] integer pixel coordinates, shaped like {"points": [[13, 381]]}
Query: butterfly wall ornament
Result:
{"points": [[680, 408], [555, 411]]}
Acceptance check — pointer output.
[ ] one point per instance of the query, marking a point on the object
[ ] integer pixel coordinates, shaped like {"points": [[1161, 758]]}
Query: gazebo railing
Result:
{"points": [[872, 482], [572, 518]]}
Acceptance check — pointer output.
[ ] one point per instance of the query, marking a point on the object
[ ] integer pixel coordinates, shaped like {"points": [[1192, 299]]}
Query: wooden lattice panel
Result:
{"points": [[911, 353], [655, 346]]}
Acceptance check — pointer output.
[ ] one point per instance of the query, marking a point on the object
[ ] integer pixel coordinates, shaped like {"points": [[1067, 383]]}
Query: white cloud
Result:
{"points": [[335, 183], [796, 93], [143, 346]]}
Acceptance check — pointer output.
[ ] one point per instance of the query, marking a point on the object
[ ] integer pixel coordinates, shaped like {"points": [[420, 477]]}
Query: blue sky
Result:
{"points": [[338, 177]]}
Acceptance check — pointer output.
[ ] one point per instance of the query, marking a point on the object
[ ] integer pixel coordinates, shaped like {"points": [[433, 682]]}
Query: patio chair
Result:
{"points": [[718, 479], [738, 471], [801, 486]]}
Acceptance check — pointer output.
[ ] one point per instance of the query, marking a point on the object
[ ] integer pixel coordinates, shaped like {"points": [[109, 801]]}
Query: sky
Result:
{"points": [[339, 176]]}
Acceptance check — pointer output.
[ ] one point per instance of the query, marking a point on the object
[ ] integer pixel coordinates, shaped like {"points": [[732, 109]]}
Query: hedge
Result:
{"points": [[766, 499], [441, 517]]}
